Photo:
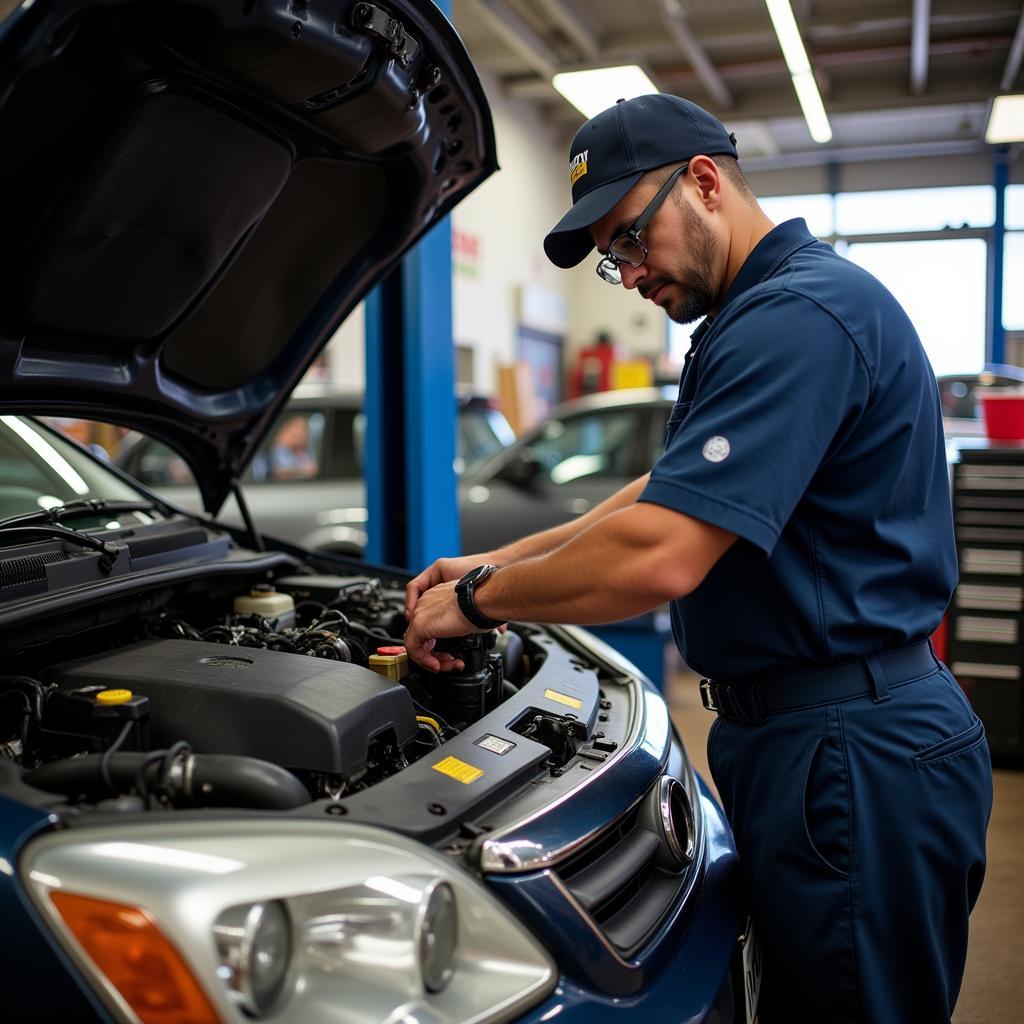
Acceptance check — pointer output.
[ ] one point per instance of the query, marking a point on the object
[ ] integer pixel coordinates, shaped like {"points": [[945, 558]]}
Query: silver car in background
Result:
{"points": [[305, 483]]}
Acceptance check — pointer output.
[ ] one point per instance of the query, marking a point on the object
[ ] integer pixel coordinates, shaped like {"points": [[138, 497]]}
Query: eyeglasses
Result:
{"points": [[627, 247]]}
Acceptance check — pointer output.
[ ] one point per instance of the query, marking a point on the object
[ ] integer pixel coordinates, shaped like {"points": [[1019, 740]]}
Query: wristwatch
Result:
{"points": [[464, 592]]}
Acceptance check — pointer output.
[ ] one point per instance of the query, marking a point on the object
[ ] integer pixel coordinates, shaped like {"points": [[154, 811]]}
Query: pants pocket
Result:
{"points": [[826, 803], [960, 743]]}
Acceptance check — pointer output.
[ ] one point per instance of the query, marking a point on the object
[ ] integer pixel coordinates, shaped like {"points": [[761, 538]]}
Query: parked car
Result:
{"points": [[584, 452], [305, 484], [581, 454], [224, 795]]}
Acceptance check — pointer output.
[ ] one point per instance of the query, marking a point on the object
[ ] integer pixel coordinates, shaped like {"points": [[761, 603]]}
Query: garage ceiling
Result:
{"points": [[906, 79]]}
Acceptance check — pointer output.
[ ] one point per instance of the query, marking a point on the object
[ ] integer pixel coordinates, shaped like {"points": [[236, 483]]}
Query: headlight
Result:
{"points": [[438, 937], [298, 921], [255, 946]]}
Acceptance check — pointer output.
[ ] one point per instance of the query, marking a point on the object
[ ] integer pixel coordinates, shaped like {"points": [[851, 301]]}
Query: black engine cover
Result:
{"points": [[297, 711]]}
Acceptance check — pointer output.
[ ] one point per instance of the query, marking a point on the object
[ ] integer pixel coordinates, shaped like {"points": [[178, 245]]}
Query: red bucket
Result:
{"points": [[1003, 410]]}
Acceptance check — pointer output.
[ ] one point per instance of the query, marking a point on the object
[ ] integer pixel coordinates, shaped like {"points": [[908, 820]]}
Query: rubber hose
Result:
{"points": [[215, 780]]}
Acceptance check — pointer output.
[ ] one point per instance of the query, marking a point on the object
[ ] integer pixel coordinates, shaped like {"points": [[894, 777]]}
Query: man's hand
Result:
{"points": [[436, 615], [444, 570]]}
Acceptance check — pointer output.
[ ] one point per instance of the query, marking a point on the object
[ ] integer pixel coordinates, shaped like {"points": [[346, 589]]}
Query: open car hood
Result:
{"points": [[196, 193]]}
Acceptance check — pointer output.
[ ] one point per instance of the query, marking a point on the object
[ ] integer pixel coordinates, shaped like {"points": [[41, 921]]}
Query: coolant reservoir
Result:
{"points": [[265, 601]]}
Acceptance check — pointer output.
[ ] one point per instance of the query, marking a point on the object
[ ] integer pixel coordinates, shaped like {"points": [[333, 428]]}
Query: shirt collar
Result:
{"points": [[768, 255]]}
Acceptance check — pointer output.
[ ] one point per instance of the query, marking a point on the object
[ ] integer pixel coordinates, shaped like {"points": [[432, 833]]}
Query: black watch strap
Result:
{"points": [[467, 602]]}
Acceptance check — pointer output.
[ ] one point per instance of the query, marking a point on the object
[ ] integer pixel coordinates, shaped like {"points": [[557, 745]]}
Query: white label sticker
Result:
{"points": [[716, 449], [495, 744]]}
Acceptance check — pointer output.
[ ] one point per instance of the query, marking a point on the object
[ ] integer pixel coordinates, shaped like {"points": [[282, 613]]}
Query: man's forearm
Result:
{"points": [[548, 540], [624, 564]]}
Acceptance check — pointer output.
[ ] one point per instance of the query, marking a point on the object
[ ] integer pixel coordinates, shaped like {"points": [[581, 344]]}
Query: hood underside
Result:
{"points": [[196, 193]]}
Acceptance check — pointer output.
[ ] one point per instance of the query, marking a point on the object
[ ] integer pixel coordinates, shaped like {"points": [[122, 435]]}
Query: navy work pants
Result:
{"points": [[860, 825]]}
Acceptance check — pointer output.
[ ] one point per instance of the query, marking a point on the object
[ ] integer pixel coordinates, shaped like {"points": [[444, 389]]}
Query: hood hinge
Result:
{"points": [[373, 21]]}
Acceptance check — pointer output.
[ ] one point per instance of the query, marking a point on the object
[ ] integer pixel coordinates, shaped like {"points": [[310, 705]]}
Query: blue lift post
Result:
{"points": [[996, 336], [411, 488], [410, 410], [409, 463]]}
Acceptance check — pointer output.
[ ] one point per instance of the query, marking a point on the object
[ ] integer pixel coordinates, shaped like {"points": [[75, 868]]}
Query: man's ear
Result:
{"points": [[705, 172]]}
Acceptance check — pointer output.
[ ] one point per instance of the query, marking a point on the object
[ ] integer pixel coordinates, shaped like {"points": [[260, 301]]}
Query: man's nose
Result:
{"points": [[632, 276]]}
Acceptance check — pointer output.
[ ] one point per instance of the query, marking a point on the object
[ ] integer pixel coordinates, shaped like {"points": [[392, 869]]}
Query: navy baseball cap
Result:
{"points": [[615, 149]]}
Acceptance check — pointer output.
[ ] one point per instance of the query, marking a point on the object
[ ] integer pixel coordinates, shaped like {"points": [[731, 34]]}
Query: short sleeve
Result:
{"points": [[777, 383]]}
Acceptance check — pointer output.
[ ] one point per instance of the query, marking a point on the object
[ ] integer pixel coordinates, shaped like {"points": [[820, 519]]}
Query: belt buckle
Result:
{"points": [[707, 696]]}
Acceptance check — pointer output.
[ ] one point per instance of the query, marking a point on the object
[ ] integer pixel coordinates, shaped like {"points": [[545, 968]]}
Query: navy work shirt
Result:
{"points": [[808, 423]]}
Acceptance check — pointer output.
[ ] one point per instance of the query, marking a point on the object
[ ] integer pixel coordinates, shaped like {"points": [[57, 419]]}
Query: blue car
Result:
{"points": [[225, 793]]}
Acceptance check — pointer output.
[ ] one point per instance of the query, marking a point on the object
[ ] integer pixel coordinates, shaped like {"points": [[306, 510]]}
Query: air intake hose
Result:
{"points": [[194, 780]]}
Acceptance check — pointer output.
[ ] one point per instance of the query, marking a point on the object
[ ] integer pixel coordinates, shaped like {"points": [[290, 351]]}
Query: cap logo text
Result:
{"points": [[578, 167]]}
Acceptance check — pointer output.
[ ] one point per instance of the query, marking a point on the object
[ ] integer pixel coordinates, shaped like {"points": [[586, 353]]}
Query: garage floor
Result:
{"points": [[991, 990]]}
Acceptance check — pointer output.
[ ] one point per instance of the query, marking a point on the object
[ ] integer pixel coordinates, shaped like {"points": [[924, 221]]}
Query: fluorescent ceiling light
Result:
{"points": [[590, 92], [789, 36], [1006, 122], [810, 103], [799, 66]]}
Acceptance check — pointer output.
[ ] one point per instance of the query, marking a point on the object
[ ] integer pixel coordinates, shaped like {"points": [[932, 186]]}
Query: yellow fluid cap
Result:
{"points": [[114, 696]]}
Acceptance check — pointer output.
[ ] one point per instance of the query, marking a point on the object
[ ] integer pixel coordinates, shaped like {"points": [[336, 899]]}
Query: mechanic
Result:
{"points": [[799, 523]]}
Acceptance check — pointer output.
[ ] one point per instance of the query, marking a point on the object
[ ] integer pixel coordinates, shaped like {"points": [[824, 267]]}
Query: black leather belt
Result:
{"points": [[755, 699]]}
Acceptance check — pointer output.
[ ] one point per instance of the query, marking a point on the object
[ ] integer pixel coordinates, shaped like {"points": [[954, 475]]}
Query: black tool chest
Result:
{"points": [[986, 616]]}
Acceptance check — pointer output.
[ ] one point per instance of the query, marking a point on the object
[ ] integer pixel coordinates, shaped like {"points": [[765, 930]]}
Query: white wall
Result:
{"points": [[346, 353], [635, 325], [509, 214]]}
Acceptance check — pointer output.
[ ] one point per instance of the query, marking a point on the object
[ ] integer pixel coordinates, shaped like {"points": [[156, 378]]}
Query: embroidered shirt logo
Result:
{"points": [[578, 167], [716, 449]]}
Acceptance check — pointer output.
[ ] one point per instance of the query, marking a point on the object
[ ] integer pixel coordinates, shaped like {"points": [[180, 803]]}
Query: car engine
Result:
{"points": [[270, 697]]}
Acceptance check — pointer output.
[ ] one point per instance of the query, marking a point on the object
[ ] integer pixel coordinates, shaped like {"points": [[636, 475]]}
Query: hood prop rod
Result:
{"points": [[250, 525]]}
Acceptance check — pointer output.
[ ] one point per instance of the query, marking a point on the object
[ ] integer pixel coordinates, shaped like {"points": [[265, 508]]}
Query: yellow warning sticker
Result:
{"points": [[458, 770], [563, 698]]}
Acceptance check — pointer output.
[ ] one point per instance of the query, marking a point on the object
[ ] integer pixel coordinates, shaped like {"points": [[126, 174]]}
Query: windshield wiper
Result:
{"points": [[83, 507], [108, 553]]}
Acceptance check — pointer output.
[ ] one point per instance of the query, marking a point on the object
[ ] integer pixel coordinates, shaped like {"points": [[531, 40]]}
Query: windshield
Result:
{"points": [[482, 433], [39, 469]]}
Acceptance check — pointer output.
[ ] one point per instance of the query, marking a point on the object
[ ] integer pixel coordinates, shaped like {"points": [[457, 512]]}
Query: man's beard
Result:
{"points": [[695, 279]]}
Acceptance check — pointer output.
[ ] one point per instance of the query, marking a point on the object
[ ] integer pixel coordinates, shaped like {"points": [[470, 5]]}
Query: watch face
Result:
{"points": [[473, 575]]}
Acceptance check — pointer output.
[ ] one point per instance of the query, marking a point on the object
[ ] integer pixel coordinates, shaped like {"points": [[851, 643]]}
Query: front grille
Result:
{"points": [[621, 882]]}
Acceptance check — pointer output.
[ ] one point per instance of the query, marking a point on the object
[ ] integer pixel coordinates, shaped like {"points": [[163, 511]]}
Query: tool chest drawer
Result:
{"points": [[986, 614]]}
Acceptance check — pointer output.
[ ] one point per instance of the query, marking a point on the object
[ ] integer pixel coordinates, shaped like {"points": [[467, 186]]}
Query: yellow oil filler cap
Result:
{"points": [[114, 696]]}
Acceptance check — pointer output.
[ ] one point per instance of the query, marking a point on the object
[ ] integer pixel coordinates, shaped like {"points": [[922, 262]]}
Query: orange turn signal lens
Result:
{"points": [[137, 959]]}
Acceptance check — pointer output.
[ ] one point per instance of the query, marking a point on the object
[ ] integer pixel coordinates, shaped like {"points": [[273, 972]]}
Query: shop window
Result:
{"points": [[915, 209], [1013, 276], [815, 209], [941, 285], [1014, 212]]}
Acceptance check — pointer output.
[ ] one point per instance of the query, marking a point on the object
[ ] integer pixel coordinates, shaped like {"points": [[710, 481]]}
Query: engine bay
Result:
{"points": [[275, 692]]}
